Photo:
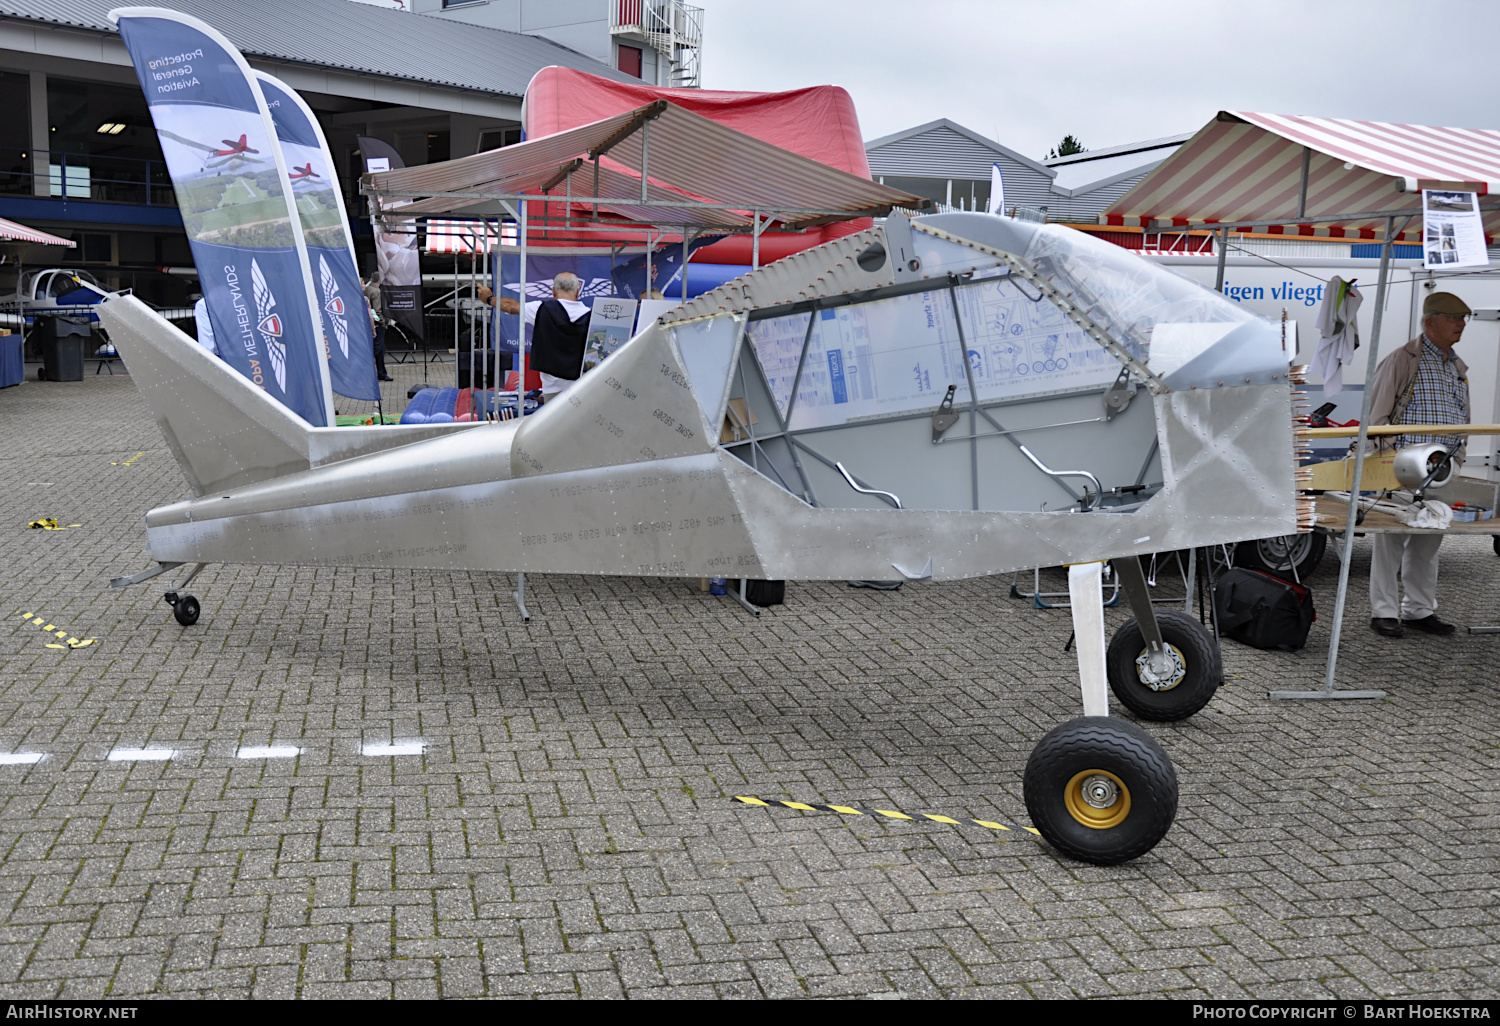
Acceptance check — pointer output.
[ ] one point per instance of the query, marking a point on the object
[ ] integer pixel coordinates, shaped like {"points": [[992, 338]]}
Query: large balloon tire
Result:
{"points": [[1081, 755], [1190, 643]]}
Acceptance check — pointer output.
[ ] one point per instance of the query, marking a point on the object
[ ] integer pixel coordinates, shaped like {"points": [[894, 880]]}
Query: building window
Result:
{"points": [[494, 138], [97, 248], [630, 60]]}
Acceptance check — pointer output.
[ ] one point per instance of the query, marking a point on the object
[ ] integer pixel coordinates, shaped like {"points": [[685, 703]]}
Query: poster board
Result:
{"points": [[1452, 232], [609, 328]]}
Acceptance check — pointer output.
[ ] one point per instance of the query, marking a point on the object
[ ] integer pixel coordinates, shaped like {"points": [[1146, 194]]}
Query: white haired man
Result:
{"points": [[559, 327], [1423, 382]]}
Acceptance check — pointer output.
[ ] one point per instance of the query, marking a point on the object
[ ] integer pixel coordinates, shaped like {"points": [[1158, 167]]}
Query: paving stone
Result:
{"points": [[568, 831]]}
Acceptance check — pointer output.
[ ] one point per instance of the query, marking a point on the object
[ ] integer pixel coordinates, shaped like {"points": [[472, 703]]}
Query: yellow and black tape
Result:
{"points": [[126, 463], [854, 810], [64, 639], [49, 524]]}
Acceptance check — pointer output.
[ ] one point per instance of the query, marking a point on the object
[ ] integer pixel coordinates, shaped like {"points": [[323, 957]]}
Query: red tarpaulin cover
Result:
{"points": [[818, 122]]}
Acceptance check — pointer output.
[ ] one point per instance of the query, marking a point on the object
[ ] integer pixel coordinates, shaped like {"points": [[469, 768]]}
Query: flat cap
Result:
{"points": [[1444, 303]]}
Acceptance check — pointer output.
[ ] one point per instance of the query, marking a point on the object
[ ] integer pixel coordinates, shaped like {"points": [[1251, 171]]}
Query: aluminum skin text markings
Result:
{"points": [[855, 810]]}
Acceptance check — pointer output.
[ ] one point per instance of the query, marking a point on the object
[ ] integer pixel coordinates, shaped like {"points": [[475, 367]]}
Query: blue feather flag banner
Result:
{"points": [[347, 333], [237, 204]]}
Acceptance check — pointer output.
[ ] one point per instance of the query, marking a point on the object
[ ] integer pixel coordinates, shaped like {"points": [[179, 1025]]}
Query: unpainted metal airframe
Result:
{"points": [[947, 397]]}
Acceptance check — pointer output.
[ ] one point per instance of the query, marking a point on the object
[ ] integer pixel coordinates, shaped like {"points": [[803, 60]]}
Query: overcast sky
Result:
{"points": [[1028, 72]]}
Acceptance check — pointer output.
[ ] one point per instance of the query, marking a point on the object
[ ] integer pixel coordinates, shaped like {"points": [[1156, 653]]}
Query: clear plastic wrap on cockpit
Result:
{"points": [[1188, 335]]}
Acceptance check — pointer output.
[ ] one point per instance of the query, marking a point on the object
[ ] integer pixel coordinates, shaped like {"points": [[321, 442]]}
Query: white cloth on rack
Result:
{"points": [[1339, 331]]}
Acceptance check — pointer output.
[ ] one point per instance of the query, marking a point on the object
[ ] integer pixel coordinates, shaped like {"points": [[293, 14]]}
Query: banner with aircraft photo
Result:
{"points": [[330, 248], [396, 253], [236, 202]]}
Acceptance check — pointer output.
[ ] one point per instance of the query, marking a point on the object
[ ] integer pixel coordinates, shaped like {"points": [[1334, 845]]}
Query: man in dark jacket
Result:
{"points": [[559, 328]]}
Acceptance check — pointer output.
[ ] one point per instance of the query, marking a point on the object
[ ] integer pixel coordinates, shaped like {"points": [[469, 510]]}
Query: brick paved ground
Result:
{"points": [[569, 832]]}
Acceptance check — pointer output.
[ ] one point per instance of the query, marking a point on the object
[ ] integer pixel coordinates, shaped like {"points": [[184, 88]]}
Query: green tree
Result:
{"points": [[1067, 148]]}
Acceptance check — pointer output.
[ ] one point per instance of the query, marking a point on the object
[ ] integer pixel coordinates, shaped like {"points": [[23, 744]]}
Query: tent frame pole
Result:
{"points": [[1328, 692], [521, 332], [1223, 252]]}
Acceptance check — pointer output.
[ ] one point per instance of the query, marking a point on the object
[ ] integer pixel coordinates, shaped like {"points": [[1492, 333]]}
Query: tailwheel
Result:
{"points": [[1174, 684], [1100, 790], [184, 607]]}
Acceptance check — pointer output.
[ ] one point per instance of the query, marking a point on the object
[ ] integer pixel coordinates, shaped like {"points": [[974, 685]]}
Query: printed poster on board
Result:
{"points": [[609, 329], [1452, 231]]}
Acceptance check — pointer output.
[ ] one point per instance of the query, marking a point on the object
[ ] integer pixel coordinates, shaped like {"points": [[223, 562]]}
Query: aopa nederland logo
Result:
{"points": [[333, 304], [268, 322]]}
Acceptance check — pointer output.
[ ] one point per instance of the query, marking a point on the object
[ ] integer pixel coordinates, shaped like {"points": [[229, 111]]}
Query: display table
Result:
{"points": [[1333, 516], [12, 367]]}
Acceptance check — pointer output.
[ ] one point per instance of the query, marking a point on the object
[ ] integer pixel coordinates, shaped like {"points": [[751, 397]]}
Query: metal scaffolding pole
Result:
{"points": [[521, 333], [1359, 470]]}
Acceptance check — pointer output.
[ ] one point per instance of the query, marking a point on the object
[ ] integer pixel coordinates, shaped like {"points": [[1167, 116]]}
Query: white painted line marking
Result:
{"points": [[142, 754], [21, 758], [401, 748], [268, 752]]}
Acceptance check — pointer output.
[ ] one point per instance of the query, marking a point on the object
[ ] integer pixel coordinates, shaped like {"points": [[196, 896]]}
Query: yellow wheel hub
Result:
{"points": [[1097, 798]]}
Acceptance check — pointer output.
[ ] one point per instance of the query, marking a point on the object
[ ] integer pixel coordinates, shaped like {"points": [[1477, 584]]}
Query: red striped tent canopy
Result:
{"points": [[21, 233], [1250, 167]]}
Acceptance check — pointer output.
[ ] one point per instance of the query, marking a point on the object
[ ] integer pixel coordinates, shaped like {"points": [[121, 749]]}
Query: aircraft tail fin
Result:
{"points": [[224, 431]]}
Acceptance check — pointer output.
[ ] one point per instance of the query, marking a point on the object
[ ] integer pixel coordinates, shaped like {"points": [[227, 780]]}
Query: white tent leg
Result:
{"points": [[1086, 591]]}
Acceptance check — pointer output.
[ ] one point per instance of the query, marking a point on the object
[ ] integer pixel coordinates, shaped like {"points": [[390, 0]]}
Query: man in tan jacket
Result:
{"points": [[1423, 382]]}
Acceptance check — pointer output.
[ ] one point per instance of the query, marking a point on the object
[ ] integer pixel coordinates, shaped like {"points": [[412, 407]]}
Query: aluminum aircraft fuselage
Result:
{"points": [[632, 470]]}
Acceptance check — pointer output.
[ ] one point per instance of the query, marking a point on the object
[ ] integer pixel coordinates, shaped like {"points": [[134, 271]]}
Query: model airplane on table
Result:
{"points": [[941, 398]]}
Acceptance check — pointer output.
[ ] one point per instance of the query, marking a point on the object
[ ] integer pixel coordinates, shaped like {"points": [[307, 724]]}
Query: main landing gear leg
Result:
{"points": [[1099, 790]]}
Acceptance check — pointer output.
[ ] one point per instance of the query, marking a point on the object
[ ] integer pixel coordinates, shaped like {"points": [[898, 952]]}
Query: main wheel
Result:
{"points": [[186, 610], [1173, 692], [1280, 556], [1100, 790]]}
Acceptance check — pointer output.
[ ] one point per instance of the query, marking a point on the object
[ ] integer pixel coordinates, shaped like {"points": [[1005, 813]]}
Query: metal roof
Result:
{"points": [[1244, 166], [976, 162], [21, 233], [352, 37], [692, 161]]}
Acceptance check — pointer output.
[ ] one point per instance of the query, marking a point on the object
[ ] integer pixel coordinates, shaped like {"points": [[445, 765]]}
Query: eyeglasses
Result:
{"points": [[1460, 318]]}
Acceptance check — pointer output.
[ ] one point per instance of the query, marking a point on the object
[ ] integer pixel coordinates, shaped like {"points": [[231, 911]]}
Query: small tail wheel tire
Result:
{"points": [[1100, 790], [1171, 693], [1290, 555], [186, 610], [1495, 543]]}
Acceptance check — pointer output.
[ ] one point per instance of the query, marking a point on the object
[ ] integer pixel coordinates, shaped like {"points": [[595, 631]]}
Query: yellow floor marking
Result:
{"points": [[57, 632]]}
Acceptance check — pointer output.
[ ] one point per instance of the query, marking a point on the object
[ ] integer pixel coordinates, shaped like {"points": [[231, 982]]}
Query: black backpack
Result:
{"points": [[1263, 610]]}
